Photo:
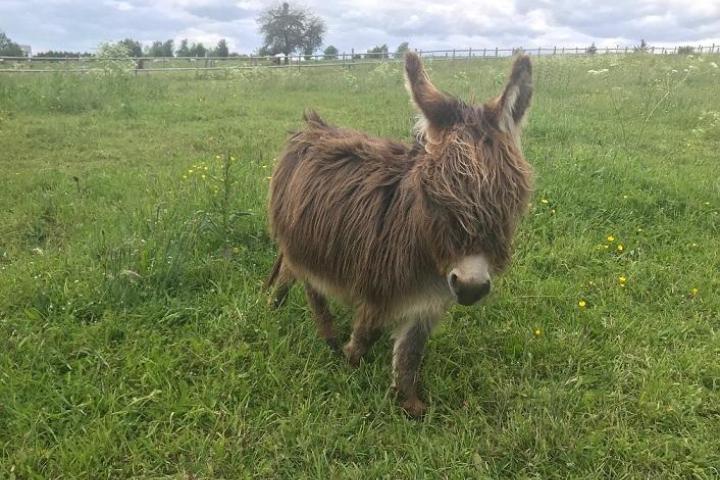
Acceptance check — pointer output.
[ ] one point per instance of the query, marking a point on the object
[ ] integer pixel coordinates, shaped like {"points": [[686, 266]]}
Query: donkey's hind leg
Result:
{"points": [[280, 281], [322, 316], [367, 328]]}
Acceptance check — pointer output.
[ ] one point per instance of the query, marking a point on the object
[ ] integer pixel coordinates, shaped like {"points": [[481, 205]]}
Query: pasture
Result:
{"points": [[135, 339]]}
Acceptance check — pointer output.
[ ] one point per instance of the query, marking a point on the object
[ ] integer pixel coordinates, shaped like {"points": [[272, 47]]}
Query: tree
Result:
{"points": [[222, 49], [591, 50], [331, 53], [381, 51], [133, 47], [184, 50], [156, 49], [287, 30], [197, 50], [403, 48], [167, 48], [9, 48], [642, 48]]}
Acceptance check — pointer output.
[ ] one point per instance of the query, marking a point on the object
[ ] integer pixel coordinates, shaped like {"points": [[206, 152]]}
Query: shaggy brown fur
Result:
{"points": [[380, 224]]}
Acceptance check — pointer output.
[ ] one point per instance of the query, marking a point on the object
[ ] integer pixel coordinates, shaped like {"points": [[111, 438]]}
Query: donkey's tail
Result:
{"points": [[274, 273]]}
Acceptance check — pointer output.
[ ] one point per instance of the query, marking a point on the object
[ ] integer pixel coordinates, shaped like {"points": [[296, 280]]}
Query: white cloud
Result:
{"points": [[82, 25]]}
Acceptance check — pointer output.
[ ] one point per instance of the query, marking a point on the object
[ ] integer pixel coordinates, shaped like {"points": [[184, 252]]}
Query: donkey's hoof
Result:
{"points": [[334, 345], [414, 407], [352, 355]]}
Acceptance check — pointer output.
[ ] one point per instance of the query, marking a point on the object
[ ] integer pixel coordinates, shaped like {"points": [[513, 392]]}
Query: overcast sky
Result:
{"points": [[361, 24]]}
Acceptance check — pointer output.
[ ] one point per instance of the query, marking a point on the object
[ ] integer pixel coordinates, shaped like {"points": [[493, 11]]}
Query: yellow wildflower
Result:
{"points": [[537, 332], [694, 292], [582, 304], [620, 247], [610, 238], [545, 201]]}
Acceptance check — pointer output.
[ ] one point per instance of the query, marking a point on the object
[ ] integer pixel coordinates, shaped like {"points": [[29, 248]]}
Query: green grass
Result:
{"points": [[135, 340]]}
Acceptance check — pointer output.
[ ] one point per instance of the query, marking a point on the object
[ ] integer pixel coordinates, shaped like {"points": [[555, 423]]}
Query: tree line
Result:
{"points": [[286, 30]]}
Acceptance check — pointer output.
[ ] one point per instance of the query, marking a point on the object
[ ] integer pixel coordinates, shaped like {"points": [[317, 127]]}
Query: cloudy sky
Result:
{"points": [[360, 24]]}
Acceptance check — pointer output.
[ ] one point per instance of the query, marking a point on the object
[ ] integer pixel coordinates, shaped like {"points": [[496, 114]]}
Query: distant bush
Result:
{"points": [[331, 53], [686, 50], [591, 50]]}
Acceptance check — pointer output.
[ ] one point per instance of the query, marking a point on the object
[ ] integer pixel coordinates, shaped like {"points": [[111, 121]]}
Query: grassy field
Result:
{"points": [[135, 340]]}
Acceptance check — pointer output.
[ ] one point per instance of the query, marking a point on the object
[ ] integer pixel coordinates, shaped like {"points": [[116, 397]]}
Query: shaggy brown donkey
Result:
{"points": [[402, 232]]}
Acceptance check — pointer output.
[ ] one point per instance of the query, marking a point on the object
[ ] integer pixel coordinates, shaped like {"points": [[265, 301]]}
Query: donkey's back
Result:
{"points": [[341, 209]]}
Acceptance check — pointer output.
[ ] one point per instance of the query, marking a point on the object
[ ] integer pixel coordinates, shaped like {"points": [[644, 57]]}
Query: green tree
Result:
{"points": [[133, 46], [197, 50], [156, 49], [8, 48], [403, 48], [288, 29], [331, 53], [183, 50], [222, 49], [167, 48], [381, 51]]}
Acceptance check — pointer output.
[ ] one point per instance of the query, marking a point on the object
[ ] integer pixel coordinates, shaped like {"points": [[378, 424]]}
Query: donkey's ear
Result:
{"points": [[515, 99], [440, 110]]}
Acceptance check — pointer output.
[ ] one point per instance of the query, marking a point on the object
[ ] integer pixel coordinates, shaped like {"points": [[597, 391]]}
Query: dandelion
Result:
{"points": [[537, 332], [606, 247], [218, 157], [694, 292], [232, 159], [552, 212], [622, 280], [582, 304], [236, 250], [620, 247], [184, 177], [545, 201], [202, 176], [625, 197], [190, 171], [610, 238]]}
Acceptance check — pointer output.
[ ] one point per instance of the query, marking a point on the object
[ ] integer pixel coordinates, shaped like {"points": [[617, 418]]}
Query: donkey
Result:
{"points": [[401, 231]]}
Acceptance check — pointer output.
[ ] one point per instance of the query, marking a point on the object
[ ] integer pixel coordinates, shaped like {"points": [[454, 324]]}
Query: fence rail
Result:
{"points": [[240, 62]]}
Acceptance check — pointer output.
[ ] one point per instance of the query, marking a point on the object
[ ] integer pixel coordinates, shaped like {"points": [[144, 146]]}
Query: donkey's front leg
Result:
{"points": [[408, 351], [367, 328]]}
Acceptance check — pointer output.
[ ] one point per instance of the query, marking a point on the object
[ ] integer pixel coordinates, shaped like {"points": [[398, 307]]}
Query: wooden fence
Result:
{"points": [[239, 62]]}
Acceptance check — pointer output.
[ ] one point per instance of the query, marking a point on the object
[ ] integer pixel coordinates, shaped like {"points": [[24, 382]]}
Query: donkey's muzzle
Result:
{"points": [[468, 293]]}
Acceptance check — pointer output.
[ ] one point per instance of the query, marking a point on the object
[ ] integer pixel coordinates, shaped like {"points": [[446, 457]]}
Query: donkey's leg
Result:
{"points": [[367, 328], [280, 280], [408, 351], [323, 317]]}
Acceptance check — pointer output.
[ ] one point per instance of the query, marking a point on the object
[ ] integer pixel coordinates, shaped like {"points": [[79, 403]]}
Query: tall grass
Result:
{"points": [[135, 340]]}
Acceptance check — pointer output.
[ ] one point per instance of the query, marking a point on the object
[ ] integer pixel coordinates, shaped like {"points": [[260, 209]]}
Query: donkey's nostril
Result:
{"points": [[469, 293]]}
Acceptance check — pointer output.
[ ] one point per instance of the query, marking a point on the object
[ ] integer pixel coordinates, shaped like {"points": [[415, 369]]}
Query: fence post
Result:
{"points": [[352, 55], [555, 50], [563, 51], [484, 52], [652, 50], [626, 50], [496, 52], [538, 51], [577, 50], [453, 54], [701, 47]]}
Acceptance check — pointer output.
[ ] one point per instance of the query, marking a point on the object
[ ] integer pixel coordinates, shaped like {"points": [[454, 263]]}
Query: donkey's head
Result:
{"points": [[484, 179]]}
